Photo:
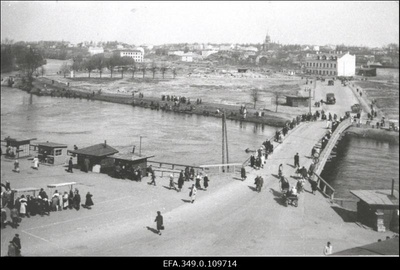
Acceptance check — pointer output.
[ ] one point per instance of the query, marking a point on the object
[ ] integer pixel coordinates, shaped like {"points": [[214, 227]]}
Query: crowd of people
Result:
{"points": [[42, 204]]}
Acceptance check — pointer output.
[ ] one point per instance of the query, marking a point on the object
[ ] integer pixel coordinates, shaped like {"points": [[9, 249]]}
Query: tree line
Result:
{"points": [[99, 62]]}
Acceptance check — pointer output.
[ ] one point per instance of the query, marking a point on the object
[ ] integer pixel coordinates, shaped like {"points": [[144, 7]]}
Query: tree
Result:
{"points": [[174, 72], [276, 95], [153, 68], [65, 68], [112, 62], [42, 70], [255, 95], [99, 63], [29, 60], [163, 69], [125, 63], [143, 68], [89, 65], [133, 69]]}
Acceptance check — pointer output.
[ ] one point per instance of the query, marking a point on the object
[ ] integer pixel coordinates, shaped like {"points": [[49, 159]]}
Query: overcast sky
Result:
{"points": [[351, 23]]}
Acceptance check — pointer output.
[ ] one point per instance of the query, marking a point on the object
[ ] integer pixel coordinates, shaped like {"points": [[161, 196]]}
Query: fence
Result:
{"points": [[324, 187], [231, 167], [171, 166]]}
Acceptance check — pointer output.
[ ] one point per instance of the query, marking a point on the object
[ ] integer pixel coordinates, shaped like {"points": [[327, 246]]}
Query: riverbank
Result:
{"points": [[376, 134], [47, 87]]}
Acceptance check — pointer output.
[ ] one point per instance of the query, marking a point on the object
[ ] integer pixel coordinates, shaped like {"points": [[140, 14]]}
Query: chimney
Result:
{"points": [[105, 143]]}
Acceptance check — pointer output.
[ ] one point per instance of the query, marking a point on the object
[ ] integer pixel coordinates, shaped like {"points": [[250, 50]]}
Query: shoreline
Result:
{"points": [[57, 89], [376, 134]]}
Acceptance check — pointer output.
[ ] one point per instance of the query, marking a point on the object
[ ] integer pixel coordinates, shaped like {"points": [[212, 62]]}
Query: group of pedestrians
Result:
{"points": [[27, 206]]}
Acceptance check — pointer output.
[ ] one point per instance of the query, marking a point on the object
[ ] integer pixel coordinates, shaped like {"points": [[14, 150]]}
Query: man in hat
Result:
{"points": [[12, 249], [297, 160], [17, 241], [70, 164], [160, 223]]}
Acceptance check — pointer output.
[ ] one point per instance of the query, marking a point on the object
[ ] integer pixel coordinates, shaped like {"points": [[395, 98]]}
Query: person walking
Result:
{"points": [[153, 178], [198, 178], [328, 249], [70, 164], [14, 217], [160, 222], [206, 180], [280, 170], [243, 173], [70, 199], [260, 183], [77, 200], [192, 193], [65, 200], [3, 218], [297, 160], [181, 180], [35, 163], [314, 186], [16, 166], [171, 182], [17, 241], [89, 201]]}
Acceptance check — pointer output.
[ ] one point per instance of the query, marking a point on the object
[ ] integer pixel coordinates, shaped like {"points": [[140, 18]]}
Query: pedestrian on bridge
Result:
{"points": [[206, 180], [297, 160], [171, 182], [153, 179], [243, 173], [280, 170], [160, 222], [192, 193], [181, 180]]}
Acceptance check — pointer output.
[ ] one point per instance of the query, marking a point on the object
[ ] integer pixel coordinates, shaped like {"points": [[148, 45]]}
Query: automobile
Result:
{"points": [[330, 98], [330, 82]]}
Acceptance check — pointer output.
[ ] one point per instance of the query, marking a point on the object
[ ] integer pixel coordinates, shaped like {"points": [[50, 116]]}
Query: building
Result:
{"points": [[334, 63], [207, 53], [130, 161], [297, 101], [95, 50], [18, 147], [96, 154], [136, 54], [190, 57], [378, 209], [52, 153]]}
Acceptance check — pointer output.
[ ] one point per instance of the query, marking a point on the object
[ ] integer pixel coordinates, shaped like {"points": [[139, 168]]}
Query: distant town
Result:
{"points": [[299, 58]]}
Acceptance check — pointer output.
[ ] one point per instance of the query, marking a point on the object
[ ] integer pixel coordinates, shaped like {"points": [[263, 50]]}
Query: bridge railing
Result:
{"points": [[230, 167], [171, 166], [324, 187]]}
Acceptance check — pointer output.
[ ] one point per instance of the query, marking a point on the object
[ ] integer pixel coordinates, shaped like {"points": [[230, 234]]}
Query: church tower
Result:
{"points": [[266, 43]]}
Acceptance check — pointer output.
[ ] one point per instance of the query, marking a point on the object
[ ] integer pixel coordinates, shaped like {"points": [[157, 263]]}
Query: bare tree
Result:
{"points": [[65, 68], [153, 68], [133, 69], [42, 70], [143, 68], [276, 95], [174, 72], [255, 95], [163, 69]]}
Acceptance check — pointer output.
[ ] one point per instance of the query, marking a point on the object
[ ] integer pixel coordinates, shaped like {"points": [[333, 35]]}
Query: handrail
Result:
{"points": [[173, 164], [220, 165], [323, 189]]}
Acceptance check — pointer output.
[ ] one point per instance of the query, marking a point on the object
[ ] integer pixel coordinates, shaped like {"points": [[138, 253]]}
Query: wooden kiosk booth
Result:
{"points": [[52, 153], [18, 148]]}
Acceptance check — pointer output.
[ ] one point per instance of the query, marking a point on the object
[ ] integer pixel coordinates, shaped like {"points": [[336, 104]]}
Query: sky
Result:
{"points": [[372, 24]]}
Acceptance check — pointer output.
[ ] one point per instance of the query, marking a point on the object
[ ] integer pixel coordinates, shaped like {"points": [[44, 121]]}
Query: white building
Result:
{"points": [[250, 48], [95, 50], [136, 54], [190, 57], [207, 53], [178, 53], [316, 48], [334, 63]]}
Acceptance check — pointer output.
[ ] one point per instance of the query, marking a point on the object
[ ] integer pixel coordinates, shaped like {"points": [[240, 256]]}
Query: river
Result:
{"points": [[171, 137], [362, 163]]}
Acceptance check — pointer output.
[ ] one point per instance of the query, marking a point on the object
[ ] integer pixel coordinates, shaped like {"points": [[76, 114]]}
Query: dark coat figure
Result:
{"points": [[191, 173], [187, 174], [14, 217], [314, 186], [160, 223], [43, 194], [206, 180], [181, 181], [153, 179], [86, 165], [243, 173], [70, 199], [3, 218], [252, 161], [259, 183], [198, 186], [70, 164], [296, 160], [17, 241], [284, 183], [12, 250], [77, 200], [89, 201]]}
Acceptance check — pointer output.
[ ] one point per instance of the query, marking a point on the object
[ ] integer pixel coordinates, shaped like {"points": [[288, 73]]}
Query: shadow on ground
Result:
{"points": [[152, 230], [278, 196], [345, 214]]}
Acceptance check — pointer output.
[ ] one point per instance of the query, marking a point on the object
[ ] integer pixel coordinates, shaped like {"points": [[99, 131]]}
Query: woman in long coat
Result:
{"points": [[23, 204], [160, 223], [70, 199], [65, 200], [88, 201], [193, 193], [243, 173], [181, 181], [206, 180], [77, 200]]}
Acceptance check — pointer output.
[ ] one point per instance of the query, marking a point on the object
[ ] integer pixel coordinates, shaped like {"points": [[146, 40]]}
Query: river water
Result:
{"points": [[171, 137], [362, 163], [186, 139]]}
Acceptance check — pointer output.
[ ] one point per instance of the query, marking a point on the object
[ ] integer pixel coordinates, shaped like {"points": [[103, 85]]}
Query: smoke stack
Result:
{"points": [[105, 143]]}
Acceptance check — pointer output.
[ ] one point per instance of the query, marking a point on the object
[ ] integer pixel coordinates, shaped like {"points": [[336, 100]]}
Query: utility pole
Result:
{"points": [[226, 141], [309, 92], [223, 142], [140, 146]]}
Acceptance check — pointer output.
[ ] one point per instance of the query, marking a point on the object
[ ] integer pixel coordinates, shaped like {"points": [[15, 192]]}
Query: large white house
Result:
{"points": [[190, 57], [95, 50], [334, 63], [136, 54]]}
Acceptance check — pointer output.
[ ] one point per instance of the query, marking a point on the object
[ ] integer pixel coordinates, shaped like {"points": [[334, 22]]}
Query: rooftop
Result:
{"points": [[378, 197], [130, 156], [52, 145], [98, 150]]}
